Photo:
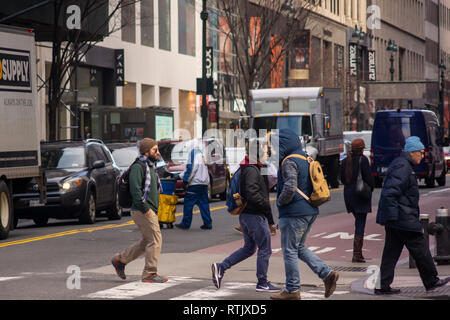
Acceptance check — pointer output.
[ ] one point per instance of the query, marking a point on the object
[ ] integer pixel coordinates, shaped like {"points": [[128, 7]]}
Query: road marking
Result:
{"points": [[9, 278], [436, 191], [211, 293], [325, 250], [138, 288], [318, 294]]}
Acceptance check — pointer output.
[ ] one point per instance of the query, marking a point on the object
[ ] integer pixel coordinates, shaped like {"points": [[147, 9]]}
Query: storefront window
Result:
{"points": [[164, 24], [186, 27]]}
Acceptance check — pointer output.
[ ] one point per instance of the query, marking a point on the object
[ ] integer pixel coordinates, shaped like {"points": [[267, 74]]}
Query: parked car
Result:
{"points": [[390, 130], [81, 182], [175, 153], [447, 156], [349, 136]]}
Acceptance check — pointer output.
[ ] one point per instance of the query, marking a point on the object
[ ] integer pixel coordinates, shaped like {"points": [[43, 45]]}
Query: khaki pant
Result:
{"points": [[150, 244]]}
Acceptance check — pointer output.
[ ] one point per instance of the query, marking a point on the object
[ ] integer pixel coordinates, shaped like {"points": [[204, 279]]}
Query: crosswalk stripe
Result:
{"points": [[9, 278], [137, 289], [212, 293]]}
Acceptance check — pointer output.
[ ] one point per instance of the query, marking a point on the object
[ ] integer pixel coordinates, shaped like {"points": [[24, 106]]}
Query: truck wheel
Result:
{"points": [[6, 212], [89, 213], [333, 173], [441, 180]]}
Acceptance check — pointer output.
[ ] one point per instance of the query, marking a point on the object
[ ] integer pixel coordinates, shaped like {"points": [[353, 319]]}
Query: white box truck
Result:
{"points": [[19, 120], [314, 113]]}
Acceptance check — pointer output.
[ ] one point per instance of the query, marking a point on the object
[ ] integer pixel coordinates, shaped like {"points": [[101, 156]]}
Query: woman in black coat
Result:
{"points": [[358, 206]]}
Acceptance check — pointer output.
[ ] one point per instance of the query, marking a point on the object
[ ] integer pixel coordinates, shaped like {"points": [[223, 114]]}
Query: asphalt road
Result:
{"points": [[38, 262]]}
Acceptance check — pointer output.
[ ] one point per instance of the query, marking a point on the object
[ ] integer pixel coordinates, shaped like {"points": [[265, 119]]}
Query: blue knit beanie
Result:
{"points": [[413, 144]]}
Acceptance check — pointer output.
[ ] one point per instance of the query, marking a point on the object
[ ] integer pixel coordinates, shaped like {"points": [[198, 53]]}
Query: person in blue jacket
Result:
{"points": [[195, 182], [399, 213], [296, 217]]}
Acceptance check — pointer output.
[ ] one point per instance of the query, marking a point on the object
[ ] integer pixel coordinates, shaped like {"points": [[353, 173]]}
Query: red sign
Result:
{"points": [[212, 111]]}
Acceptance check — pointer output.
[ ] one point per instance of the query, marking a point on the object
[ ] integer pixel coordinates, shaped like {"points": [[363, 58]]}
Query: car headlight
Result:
{"points": [[73, 183]]}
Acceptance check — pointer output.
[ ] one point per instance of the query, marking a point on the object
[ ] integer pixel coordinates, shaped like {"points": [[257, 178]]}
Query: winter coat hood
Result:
{"points": [[289, 143]]}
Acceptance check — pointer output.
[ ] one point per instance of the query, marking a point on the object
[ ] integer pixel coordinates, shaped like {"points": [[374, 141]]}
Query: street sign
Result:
{"points": [[119, 61], [372, 66], [209, 62], [209, 86], [352, 52]]}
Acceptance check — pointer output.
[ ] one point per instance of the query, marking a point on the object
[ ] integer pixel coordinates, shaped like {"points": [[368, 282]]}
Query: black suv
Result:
{"points": [[81, 182]]}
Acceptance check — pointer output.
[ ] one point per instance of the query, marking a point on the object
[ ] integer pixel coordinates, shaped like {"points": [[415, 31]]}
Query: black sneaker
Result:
{"points": [[180, 226], [204, 227], [387, 291], [119, 267], [439, 283], [217, 274]]}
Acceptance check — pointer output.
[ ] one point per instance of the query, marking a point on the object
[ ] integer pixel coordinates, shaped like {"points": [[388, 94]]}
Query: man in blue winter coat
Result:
{"points": [[398, 212], [195, 182], [296, 216]]}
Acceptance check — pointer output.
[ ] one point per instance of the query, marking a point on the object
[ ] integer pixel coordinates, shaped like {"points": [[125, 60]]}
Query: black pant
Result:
{"points": [[418, 249]]}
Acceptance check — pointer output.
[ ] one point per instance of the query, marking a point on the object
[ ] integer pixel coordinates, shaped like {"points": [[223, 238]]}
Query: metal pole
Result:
{"points": [[204, 111], [358, 105], [392, 66]]}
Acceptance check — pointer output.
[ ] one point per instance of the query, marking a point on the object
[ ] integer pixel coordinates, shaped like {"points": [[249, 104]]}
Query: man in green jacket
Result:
{"points": [[144, 190]]}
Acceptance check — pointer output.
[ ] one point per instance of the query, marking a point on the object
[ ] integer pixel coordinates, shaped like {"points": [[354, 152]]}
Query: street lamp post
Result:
{"points": [[357, 37], [204, 110], [288, 7], [392, 47], [442, 67]]}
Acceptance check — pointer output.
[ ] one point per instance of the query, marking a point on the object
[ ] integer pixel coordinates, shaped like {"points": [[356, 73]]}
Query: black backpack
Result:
{"points": [[124, 186]]}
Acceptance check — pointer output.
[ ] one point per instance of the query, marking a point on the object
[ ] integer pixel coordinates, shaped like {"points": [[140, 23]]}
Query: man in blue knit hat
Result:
{"points": [[398, 212]]}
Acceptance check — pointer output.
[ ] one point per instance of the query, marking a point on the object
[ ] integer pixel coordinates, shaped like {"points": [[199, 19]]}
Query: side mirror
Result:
{"points": [[98, 164]]}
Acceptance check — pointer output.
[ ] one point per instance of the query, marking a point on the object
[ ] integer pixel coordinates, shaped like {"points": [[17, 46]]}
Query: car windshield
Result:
{"points": [[350, 136], [64, 158], [299, 124], [176, 152], [124, 157], [392, 131]]}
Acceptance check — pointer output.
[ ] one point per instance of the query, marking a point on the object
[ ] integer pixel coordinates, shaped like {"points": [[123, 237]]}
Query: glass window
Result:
{"points": [[124, 157], [164, 24], [128, 21], [147, 21], [64, 158], [186, 27], [299, 124]]}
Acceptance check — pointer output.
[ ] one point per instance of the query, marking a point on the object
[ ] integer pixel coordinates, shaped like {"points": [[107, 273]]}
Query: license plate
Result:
{"points": [[35, 203]]}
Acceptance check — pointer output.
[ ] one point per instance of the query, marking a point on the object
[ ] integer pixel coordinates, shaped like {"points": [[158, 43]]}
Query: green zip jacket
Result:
{"points": [[137, 183]]}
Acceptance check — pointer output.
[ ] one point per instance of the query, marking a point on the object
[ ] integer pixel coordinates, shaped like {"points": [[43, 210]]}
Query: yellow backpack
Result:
{"points": [[321, 193]]}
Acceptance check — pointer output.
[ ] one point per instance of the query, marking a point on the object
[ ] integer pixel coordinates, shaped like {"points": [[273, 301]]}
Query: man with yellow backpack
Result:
{"points": [[301, 188]]}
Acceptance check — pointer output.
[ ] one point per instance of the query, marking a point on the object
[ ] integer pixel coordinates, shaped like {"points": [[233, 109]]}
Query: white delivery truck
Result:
{"points": [[19, 121], [315, 113]]}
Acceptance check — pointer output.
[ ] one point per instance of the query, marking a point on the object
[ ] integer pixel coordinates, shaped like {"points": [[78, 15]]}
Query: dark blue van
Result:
{"points": [[390, 130]]}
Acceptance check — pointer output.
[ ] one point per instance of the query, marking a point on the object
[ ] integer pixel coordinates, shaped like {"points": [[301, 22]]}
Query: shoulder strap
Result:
{"points": [[297, 156]]}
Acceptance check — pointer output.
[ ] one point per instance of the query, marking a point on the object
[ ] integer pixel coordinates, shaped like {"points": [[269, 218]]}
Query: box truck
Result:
{"points": [[314, 113], [19, 121]]}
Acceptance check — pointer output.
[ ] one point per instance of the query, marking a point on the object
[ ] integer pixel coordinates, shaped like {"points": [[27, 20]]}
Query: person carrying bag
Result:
{"points": [[358, 186]]}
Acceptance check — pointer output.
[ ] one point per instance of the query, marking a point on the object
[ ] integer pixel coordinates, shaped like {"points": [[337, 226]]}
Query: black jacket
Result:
{"points": [[399, 201], [354, 203], [255, 191]]}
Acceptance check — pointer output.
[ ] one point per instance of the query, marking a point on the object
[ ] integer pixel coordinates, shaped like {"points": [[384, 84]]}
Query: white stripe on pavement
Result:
{"points": [[211, 293], [9, 278], [138, 288]]}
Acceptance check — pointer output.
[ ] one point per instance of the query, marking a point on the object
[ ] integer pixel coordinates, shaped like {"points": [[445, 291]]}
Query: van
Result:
{"points": [[391, 128]]}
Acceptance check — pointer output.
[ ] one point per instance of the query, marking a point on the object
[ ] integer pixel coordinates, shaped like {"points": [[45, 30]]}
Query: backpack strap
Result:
{"points": [[309, 160]]}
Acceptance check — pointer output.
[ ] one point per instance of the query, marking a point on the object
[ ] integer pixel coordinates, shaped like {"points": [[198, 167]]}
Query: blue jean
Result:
{"points": [[196, 195], [360, 222], [256, 235], [293, 236]]}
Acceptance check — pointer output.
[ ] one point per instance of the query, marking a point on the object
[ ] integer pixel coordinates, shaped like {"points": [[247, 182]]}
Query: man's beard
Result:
{"points": [[152, 158]]}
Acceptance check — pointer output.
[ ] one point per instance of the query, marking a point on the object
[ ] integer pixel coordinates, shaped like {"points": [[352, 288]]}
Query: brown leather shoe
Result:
{"points": [[330, 283], [284, 295]]}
